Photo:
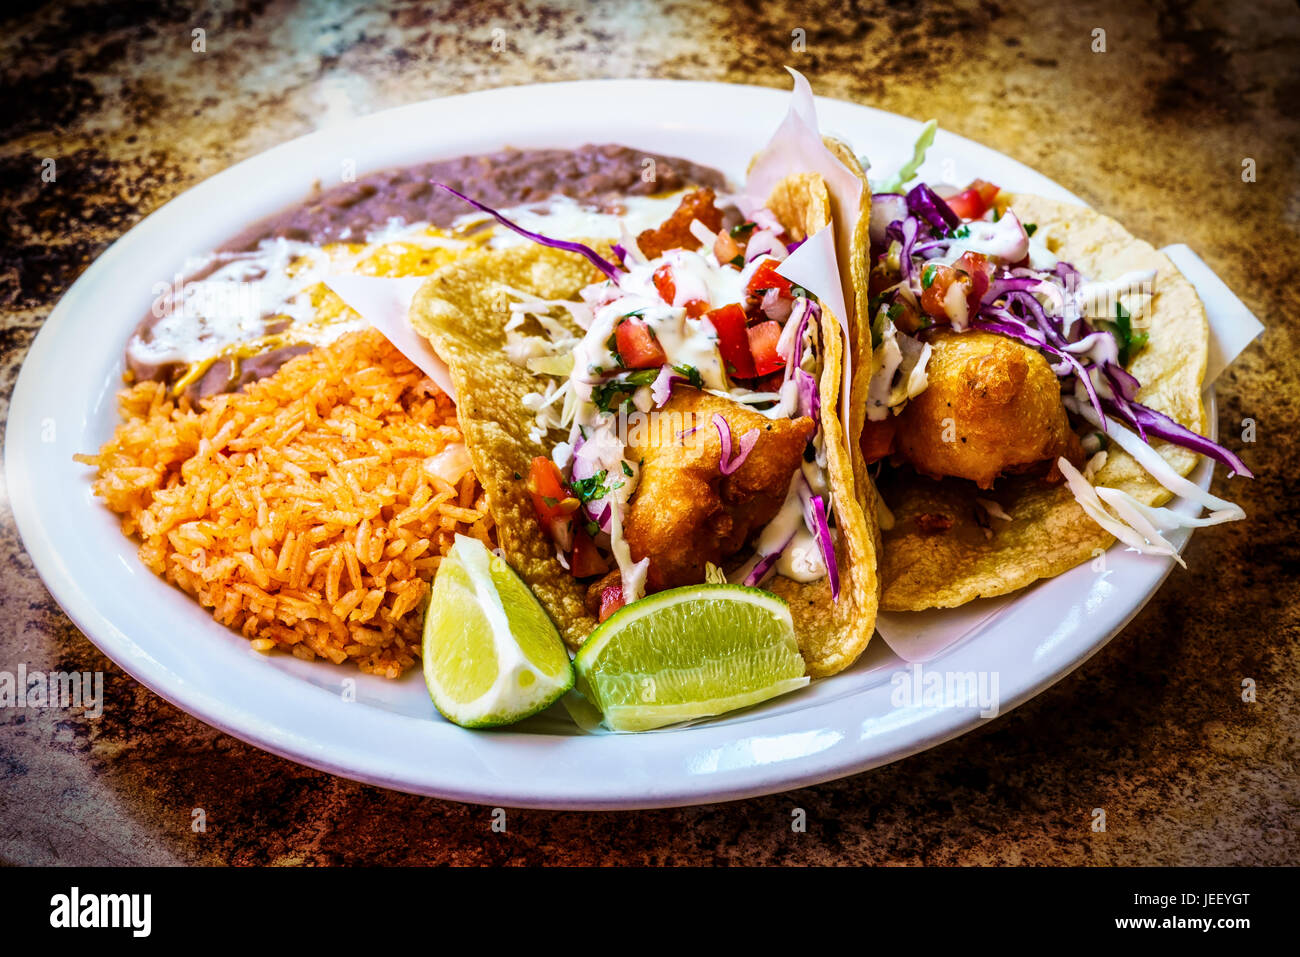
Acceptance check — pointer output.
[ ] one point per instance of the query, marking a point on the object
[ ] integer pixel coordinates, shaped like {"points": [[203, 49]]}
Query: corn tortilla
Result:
{"points": [[1049, 533], [461, 311]]}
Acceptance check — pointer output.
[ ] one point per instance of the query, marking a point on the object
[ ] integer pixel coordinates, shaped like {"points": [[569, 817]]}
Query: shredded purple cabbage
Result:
{"points": [[1000, 287], [1115, 389], [815, 517], [886, 208], [1161, 426], [726, 464], [764, 564], [796, 348], [600, 262], [1125, 383], [909, 230], [924, 202], [809, 399]]}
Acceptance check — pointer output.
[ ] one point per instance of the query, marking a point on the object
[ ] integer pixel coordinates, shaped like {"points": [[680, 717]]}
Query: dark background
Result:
{"points": [[1153, 132]]}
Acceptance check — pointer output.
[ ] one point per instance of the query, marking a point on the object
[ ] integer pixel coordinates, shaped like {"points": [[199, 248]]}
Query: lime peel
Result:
{"points": [[689, 653], [491, 654]]}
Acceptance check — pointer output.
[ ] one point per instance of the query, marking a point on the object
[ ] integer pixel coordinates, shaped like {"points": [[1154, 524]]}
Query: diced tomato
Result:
{"points": [[637, 345], [586, 559], [667, 288], [546, 486], [766, 277], [980, 270], [878, 438], [934, 298], [968, 204], [664, 283], [733, 340], [552, 500], [763, 338], [975, 200], [611, 600], [988, 191]]}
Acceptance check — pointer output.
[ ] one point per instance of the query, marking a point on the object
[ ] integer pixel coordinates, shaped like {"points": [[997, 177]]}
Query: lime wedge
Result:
{"points": [[491, 654], [689, 653]]}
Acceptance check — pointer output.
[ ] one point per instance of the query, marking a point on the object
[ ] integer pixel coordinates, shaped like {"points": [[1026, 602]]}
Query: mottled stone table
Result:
{"points": [[1154, 131]]}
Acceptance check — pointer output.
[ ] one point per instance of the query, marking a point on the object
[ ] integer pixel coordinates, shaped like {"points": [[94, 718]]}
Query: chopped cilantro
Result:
{"points": [[606, 395], [518, 477], [737, 260], [592, 488], [895, 310], [1130, 341], [690, 374], [1031, 228], [550, 501], [627, 470], [927, 276], [741, 229]]}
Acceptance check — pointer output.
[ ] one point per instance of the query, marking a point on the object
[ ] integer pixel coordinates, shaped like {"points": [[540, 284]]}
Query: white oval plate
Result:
{"points": [[390, 734]]}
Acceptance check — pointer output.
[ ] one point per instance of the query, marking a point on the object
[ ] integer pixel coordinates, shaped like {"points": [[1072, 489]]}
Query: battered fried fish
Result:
{"points": [[992, 406], [685, 512]]}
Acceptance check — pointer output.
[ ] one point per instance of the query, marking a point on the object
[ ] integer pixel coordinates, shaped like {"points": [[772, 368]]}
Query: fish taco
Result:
{"points": [[1034, 377], [663, 411]]}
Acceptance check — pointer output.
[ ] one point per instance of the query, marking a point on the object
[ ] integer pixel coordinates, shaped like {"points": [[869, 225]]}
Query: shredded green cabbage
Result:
{"points": [[895, 183]]}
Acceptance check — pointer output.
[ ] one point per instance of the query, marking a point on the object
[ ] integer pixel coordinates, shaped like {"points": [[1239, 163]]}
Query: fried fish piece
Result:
{"points": [[685, 512], [992, 406]]}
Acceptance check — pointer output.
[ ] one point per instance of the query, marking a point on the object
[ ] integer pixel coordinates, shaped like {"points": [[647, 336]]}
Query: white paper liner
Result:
{"points": [[386, 304]]}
